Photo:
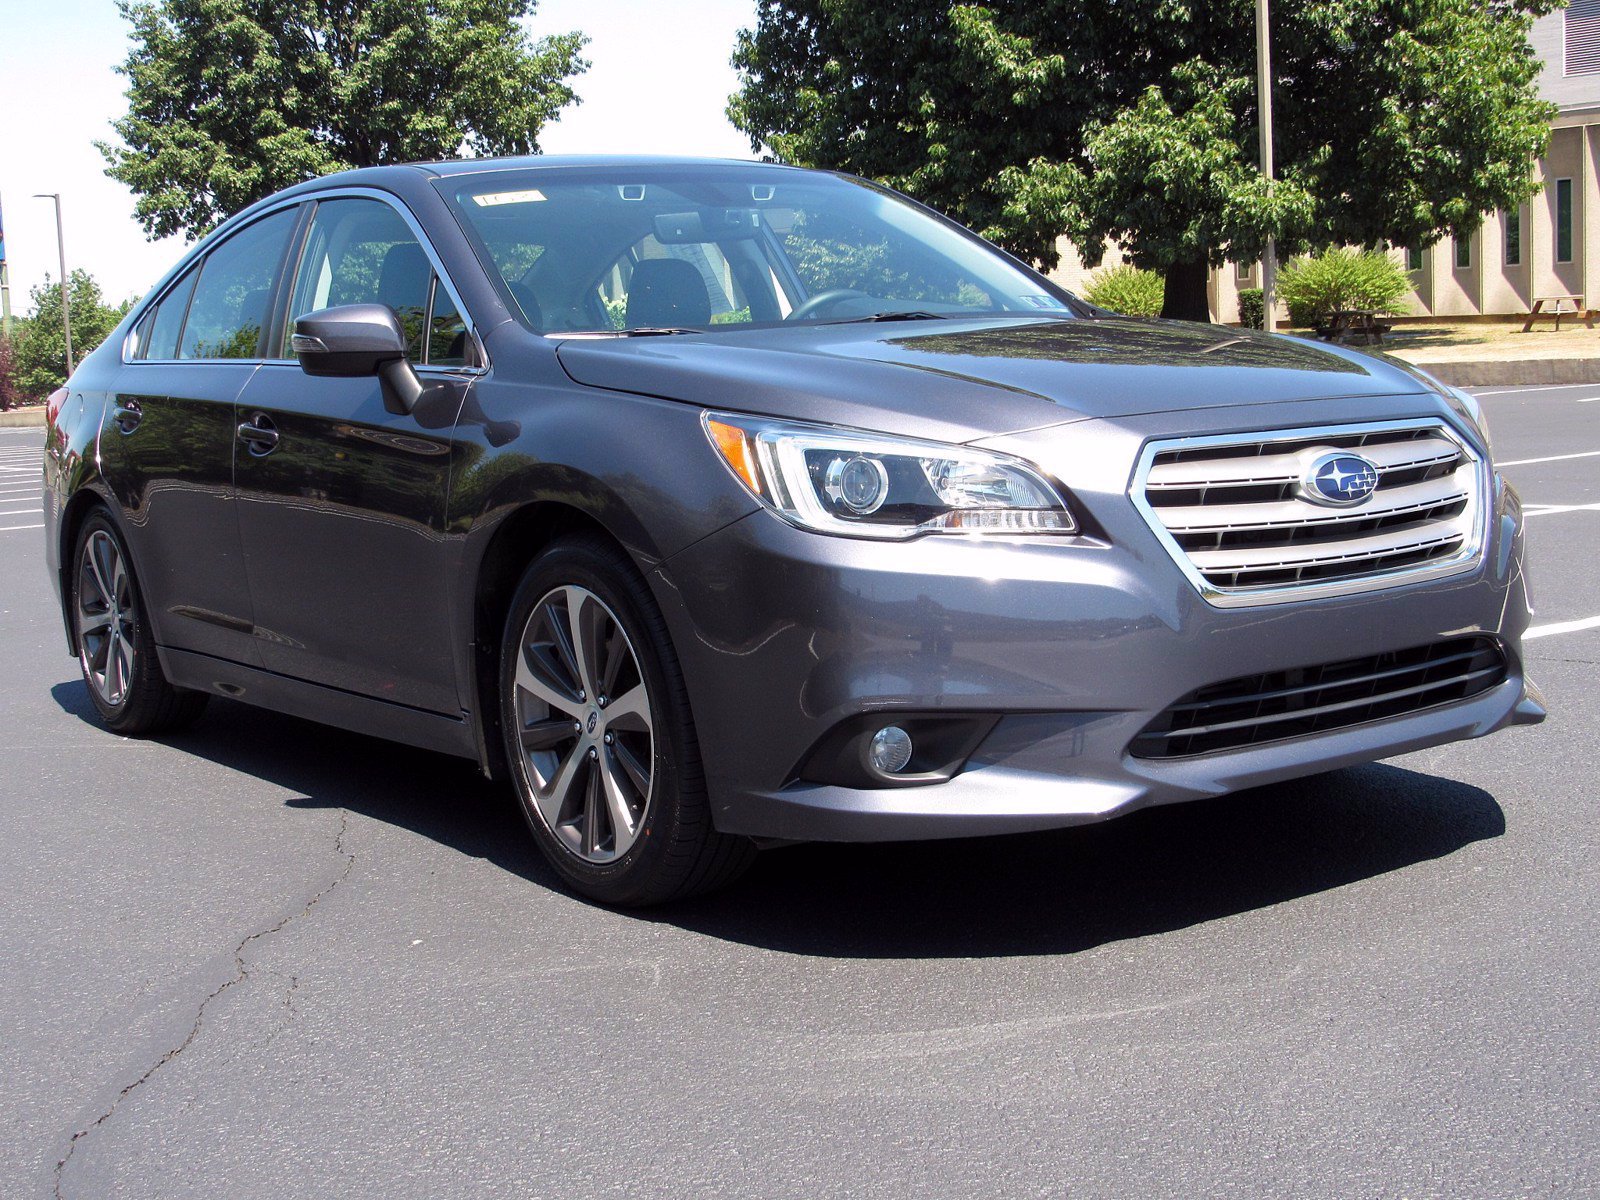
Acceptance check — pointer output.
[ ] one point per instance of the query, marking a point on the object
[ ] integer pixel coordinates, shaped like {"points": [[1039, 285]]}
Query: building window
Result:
{"points": [[1583, 37], [1413, 259], [1563, 220], [1243, 271], [1463, 251], [1514, 238]]}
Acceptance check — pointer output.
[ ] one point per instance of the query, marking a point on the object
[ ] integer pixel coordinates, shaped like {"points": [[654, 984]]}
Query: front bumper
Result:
{"points": [[1077, 645]]}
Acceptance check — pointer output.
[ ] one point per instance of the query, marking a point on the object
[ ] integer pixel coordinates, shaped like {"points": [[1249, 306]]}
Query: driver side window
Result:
{"points": [[361, 251]]}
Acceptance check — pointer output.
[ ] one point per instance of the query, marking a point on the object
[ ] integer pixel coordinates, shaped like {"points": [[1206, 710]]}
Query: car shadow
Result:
{"points": [[1051, 893]]}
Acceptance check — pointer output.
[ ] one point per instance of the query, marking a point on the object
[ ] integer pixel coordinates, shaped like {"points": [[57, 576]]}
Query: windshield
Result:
{"points": [[637, 249]]}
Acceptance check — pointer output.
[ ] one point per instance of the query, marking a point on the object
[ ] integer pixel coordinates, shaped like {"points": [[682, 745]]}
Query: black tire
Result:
{"points": [[675, 851], [143, 703]]}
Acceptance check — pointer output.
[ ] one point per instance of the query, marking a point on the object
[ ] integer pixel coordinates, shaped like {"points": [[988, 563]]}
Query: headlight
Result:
{"points": [[1468, 406], [871, 485]]}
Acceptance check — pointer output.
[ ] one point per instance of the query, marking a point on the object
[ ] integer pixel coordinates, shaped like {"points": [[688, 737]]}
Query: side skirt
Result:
{"points": [[329, 706]]}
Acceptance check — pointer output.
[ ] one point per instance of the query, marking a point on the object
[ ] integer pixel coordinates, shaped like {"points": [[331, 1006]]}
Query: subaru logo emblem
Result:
{"points": [[1339, 479]]}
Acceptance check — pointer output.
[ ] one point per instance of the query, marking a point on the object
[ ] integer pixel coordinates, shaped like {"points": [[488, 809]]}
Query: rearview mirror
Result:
{"points": [[355, 340]]}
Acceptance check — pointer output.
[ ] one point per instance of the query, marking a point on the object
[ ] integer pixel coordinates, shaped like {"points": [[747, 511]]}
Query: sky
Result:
{"points": [[658, 83]]}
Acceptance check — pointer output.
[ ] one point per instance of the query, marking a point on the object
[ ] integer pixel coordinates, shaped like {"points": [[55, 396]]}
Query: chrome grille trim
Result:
{"points": [[1227, 511]]}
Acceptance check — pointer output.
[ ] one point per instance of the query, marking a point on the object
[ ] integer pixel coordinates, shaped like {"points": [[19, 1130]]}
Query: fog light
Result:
{"points": [[891, 749]]}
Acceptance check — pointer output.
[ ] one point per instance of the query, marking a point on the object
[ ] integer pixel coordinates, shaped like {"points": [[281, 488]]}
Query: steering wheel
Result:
{"points": [[823, 301]]}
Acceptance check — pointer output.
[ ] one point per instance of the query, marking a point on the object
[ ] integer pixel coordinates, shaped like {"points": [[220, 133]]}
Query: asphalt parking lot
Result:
{"points": [[268, 959]]}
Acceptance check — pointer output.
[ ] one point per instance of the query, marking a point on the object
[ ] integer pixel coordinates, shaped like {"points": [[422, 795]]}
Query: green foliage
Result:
{"points": [[1126, 289], [1339, 278], [41, 349], [737, 316], [230, 100], [1252, 308], [10, 388], [617, 310], [1396, 122]]}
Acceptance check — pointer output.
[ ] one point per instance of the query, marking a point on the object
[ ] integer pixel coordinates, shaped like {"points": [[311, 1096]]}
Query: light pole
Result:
{"points": [[66, 284], [1269, 258]]}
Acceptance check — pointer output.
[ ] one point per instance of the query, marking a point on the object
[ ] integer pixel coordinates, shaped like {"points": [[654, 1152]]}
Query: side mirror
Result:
{"points": [[356, 340]]}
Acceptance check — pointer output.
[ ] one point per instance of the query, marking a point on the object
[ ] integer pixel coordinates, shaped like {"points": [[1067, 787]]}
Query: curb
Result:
{"points": [[1526, 372], [17, 418]]}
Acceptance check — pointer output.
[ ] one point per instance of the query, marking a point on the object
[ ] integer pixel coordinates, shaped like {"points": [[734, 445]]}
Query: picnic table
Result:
{"points": [[1557, 306], [1344, 323]]}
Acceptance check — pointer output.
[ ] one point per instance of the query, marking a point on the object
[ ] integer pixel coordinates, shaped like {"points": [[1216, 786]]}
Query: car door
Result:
{"points": [[168, 444], [342, 502]]}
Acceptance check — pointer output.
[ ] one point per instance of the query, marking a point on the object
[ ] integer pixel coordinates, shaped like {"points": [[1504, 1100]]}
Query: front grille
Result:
{"points": [[1286, 704], [1233, 515]]}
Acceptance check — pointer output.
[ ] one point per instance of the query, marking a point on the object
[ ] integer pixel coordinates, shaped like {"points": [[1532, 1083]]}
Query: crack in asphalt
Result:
{"points": [[241, 973]]}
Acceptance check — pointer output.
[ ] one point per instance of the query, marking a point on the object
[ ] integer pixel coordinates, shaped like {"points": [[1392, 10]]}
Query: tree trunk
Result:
{"points": [[1184, 298]]}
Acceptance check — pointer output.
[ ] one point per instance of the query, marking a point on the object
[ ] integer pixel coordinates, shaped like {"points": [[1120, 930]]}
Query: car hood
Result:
{"points": [[962, 380]]}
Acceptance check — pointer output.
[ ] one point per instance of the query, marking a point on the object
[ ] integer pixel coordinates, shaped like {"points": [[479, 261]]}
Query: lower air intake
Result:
{"points": [[1286, 704]]}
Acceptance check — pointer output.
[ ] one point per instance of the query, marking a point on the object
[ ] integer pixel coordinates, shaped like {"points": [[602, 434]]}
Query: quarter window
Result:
{"points": [[361, 251], [229, 309]]}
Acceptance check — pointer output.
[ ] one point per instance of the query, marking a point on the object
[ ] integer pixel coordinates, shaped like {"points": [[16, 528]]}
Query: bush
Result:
{"points": [[10, 389], [1127, 290], [1339, 278], [1253, 308]]}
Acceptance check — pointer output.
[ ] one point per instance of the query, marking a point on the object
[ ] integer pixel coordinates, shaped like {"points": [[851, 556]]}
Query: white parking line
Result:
{"points": [[1523, 462], [1550, 510], [1539, 631], [10, 528], [1543, 387]]}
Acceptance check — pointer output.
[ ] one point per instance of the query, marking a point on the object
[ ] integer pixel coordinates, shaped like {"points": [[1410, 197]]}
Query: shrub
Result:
{"points": [[1342, 278], [1127, 290], [10, 389], [1253, 308]]}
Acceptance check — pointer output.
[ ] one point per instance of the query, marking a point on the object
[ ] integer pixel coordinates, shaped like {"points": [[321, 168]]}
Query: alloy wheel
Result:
{"points": [[105, 618], [584, 723]]}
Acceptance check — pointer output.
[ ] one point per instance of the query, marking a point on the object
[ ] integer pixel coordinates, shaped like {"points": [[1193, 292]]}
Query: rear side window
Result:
{"points": [[229, 308], [161, 328], [361, 251]]}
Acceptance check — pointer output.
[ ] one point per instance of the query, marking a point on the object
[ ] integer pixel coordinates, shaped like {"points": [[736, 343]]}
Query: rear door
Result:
{"points": [[341, 502], [168, 444]]}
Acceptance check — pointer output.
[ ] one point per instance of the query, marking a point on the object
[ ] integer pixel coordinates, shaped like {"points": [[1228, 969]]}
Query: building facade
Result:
{"points": [[1549, 247]]}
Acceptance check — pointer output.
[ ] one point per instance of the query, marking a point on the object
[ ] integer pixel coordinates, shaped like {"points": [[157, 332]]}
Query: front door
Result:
{"points": [[341, 502]]}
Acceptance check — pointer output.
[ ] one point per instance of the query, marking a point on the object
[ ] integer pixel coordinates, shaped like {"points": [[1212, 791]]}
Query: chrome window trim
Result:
{"points": [[1464, 560], [333, 193]]}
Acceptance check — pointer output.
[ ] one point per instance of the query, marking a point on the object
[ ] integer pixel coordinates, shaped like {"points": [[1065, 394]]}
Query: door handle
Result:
{"points": [[259, 434], [128, 415]]}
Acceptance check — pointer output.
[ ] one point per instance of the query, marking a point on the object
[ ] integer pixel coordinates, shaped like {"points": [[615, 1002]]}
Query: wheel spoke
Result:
{"points": [[530, 679], [552, 798], [561, 638], [119, 583], [116, 671], [623, 827], [546, 734], [630, 710], [583, 615], [93, 559], [591, 814], [90, 623], [616, 654], [633, 768]]}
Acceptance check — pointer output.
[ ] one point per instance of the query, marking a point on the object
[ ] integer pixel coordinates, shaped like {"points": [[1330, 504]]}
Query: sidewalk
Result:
{"points": [[1501, 355]]}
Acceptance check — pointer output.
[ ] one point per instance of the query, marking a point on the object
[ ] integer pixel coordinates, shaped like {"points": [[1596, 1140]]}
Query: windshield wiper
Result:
{"points": [[911, 314], [655, 331]]}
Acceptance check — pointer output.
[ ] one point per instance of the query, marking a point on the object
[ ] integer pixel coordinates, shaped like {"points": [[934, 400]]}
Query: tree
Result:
{"points": [[10, 389], [230, 100], [1397, 120], [41, 351]]}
